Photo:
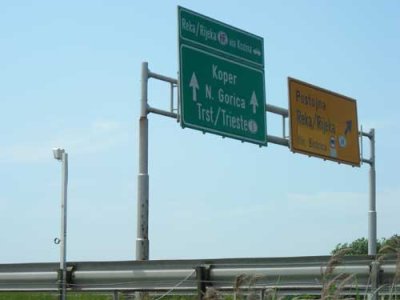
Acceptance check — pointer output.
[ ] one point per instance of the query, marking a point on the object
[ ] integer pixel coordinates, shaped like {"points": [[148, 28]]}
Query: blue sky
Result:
{"points": [[70, 77]]}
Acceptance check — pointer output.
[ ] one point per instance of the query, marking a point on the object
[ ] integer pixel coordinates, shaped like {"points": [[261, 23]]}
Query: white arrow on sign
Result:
{"points": [[257, 52], [253, 101], [194, 85]]}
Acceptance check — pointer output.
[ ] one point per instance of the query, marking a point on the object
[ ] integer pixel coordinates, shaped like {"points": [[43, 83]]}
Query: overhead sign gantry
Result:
{"points": [[221, 90]]}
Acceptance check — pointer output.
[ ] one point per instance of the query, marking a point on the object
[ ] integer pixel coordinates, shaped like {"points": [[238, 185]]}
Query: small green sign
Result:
{"points": [[220, 37], [222, 96]]}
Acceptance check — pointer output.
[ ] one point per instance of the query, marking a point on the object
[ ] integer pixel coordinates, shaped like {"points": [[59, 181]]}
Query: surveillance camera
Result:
{"points": [[57, 152]]}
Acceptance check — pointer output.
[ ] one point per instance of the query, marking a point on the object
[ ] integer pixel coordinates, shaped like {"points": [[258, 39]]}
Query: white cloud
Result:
{"points": [[103, 126], [379, 124], [95, 137], [327, 197], [388, 208], [26, 152]]}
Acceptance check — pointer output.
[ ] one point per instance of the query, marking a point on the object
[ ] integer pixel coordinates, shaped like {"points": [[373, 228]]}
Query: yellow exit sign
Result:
{"points": [[323, 123]]}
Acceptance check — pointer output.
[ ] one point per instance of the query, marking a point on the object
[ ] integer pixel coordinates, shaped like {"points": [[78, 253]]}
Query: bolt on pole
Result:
{"points": [[142, 241]]}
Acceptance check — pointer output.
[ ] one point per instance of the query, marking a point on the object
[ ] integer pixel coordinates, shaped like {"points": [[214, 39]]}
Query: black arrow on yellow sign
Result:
{"points": [[349, 124]]}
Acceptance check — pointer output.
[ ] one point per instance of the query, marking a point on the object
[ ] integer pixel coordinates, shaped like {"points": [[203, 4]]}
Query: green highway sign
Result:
{"points": [[222, 38], [221, 87], [222, 96]]}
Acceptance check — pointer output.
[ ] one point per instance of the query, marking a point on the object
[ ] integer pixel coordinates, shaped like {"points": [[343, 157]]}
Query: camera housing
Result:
{"points": [[57, 153]]}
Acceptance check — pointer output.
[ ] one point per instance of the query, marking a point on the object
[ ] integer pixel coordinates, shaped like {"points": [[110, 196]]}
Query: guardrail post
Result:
{"points": [[115, 295], [60, 283], [65, 279], [202, 278], [262, 294], [69, 275], [375, 280]]}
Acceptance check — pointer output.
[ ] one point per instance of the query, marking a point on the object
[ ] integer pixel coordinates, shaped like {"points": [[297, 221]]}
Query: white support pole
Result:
{"points": [[142, 241], [63, 248], [372, 230], [60, 155]]}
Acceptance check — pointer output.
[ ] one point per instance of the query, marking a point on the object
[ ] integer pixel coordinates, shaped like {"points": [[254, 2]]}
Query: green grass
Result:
{"points": [[53, 296], [77, 296]]}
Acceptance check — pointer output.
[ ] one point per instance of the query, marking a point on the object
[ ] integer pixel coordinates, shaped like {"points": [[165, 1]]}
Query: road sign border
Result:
{"points": [[180, 8], [206, 129], [296, 150]]}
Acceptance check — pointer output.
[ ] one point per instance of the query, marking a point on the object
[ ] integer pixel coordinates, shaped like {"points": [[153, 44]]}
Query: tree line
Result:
{"points": [[360, 246]]}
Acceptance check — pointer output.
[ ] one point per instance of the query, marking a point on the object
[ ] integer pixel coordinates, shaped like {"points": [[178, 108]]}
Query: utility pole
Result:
{"points": [[61, 155]]}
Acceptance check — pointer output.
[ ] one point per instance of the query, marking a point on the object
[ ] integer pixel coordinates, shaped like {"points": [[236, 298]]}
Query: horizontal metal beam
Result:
{"points": [[290, 271], [286, 275], [278, 140], [162, 77], [27, 276], [268, 108], [366, 161], [277, 110], [366, 134], [162, 112]]}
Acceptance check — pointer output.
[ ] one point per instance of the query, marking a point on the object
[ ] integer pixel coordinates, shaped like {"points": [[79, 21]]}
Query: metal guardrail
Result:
{"points": [[293, 275]]}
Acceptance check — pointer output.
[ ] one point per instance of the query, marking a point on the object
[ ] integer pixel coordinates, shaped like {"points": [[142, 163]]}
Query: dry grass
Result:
{"points": [[246, 283], [386, 251], [333, 286], [212, 294]]}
